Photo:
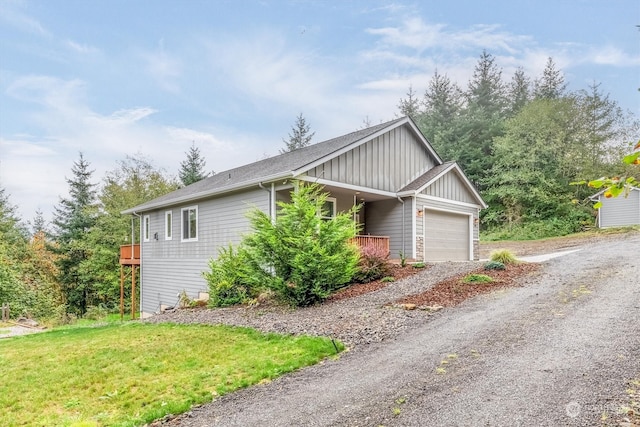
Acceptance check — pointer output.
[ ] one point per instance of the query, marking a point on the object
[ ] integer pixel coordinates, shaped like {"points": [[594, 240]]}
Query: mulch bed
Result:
{"points": [[453, 291]]}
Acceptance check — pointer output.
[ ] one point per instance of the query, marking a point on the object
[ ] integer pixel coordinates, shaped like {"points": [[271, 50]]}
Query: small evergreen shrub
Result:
{"points": [[504, 256], [494, 265], [230, 278], [419, 265], [477, 278], [372, 264], [388, 279]]}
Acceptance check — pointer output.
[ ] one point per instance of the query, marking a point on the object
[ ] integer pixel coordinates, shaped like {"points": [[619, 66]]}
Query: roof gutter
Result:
{"points": [[203, 194]]}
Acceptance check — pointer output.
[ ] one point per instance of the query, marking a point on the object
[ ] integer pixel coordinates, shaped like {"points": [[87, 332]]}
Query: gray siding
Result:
{"points": [[386, 163], [451, 187], [170, 266], [422, 203], [384, 218], [620, 211]]}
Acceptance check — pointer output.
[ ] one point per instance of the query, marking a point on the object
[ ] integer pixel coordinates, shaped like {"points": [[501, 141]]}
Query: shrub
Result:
{"points": [[504, 256], [302, 257], [494, 265], [388, 279], [372, 265], [477, 278], [231, 278], [419, 265], [96, 312]]}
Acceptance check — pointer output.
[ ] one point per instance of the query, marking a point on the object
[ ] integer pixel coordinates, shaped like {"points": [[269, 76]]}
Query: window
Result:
{"points": [[168, 225], [146, 222], [328, 208], [190, 223]]}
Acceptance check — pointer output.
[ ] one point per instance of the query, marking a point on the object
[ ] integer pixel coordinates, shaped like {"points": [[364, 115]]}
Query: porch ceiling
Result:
{"points": [[361, 196]]}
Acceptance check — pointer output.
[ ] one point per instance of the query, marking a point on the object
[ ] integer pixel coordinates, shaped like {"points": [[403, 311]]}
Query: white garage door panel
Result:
{"points": [[446, 236]]}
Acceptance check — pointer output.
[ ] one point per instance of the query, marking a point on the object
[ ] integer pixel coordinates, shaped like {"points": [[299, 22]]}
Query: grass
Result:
{"points": [[507, 235], [133, 373]]}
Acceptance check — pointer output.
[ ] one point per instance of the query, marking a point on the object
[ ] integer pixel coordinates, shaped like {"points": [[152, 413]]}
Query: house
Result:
{"points": [[618, 211], [425, 208]]}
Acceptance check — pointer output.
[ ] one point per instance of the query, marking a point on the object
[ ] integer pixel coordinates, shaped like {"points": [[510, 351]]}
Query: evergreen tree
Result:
{"points": [[518, 92], [551, 84], [410, 106], [192, 169], [482, 120], [300, 135], [442, 107], [39, 224], [73, 219]]}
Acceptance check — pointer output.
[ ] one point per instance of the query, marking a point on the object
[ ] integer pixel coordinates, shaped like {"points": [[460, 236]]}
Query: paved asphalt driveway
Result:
{"points": [[558, 351]]}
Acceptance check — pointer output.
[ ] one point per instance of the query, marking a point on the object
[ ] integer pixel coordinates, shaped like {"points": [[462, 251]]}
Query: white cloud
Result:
{"points": [[164, 68], [15, 18]]}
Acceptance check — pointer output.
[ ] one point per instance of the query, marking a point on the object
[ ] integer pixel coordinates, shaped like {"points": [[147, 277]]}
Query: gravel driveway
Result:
{"points": [[557, 351]]}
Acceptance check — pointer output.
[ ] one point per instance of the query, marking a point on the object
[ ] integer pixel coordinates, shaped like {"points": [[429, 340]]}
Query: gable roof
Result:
{"points": [[286, 165], [432, 175], [289, 165]]}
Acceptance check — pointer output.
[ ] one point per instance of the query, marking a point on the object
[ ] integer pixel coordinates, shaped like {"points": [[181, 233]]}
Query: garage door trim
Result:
{"points": [[424, 229]]}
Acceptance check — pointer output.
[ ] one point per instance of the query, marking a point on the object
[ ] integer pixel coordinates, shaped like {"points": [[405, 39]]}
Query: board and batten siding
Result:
{"points": [[384, 218], [451, 187], [171, 266], [620, 211], [386, 163]]}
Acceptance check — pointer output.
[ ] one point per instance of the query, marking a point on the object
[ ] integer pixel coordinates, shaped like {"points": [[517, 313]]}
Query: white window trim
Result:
{"points": [[191, 239], [335, 208], [146, 228], [168, 225]]}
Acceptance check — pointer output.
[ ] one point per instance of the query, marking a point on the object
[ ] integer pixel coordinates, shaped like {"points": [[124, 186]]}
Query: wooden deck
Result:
{"points": [[130, 254]]}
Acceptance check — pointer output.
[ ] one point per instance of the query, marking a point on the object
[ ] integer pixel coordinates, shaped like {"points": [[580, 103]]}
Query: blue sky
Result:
{"points": [[113, 78]]}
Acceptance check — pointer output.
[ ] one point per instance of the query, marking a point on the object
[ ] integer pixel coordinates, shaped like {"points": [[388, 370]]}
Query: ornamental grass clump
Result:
{"points": [[504, 256]]}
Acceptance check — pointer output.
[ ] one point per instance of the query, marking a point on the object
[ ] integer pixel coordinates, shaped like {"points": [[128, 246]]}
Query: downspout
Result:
{"points": [[133, 255], [404, 253], [270, 191]]}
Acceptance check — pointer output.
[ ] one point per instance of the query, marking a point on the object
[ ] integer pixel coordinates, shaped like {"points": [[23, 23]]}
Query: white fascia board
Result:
{"points": [[449, 201], [208, 193], [326, 182], [440, 175]]}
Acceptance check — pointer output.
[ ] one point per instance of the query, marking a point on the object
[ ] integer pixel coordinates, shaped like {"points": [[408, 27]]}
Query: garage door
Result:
{"points": [[446, 236]]}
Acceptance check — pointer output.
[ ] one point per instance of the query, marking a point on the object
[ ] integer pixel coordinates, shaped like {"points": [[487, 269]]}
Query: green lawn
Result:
{"points": [[133, 373]]}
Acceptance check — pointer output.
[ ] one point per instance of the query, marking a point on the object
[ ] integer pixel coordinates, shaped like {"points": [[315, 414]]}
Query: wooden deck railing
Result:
{"points": [[380, 242], [130, 254]]}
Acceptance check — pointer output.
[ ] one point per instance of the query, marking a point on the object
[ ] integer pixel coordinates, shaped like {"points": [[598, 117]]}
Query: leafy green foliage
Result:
{"points": [[301, 256], [494, 265], [523, 143], [231, 278], [477, 278], [503, 256]]}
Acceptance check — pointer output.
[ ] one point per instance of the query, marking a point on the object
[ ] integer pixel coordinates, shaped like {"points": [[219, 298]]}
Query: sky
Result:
{"points": [[118, 78]]}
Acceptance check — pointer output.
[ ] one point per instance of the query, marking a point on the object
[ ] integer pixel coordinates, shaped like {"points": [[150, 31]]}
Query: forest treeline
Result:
{"points": [[521, 141]]}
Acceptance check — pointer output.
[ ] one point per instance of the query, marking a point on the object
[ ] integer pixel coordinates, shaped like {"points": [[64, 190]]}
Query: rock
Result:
{"points": [[26, 322]]}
